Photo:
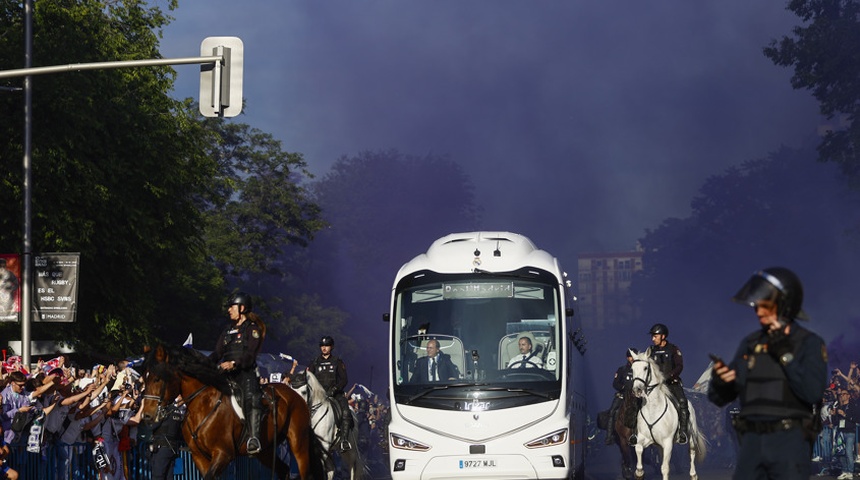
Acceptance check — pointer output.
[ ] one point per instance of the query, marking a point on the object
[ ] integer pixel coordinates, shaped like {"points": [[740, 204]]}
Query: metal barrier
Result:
{"points": [[47, 464]]}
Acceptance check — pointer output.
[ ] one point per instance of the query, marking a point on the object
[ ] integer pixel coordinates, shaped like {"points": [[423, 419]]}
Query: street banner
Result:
{"points": [[55, 287], [10, 281]]}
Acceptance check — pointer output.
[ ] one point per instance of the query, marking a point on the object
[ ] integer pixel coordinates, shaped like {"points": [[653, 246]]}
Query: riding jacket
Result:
{"points": [[239, 343], [671, 363], [331, 372]]}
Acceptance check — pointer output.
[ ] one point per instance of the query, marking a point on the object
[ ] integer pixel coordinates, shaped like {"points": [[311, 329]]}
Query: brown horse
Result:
{"points": [[622, 433], [212, 428]]}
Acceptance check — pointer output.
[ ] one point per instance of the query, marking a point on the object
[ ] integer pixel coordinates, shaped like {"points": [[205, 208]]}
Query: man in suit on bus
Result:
{"points": [[434, 367]]}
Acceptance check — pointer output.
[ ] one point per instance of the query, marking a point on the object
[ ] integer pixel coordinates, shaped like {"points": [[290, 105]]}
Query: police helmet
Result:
{"points": [[243, 299], [326, 341], [777, 284], [659, 329]]}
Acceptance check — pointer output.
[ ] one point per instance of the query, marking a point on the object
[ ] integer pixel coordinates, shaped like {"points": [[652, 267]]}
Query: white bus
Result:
{"points": [[474, 296]]}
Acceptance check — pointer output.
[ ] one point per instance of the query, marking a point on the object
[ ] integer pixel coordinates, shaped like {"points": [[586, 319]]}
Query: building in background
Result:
{"points": [[603, 288]]}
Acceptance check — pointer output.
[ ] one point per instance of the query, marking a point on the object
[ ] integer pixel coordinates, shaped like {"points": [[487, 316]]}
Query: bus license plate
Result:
{"points": [[467, 464]]}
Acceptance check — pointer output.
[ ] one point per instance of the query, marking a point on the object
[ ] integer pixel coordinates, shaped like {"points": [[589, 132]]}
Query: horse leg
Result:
{"points": [[667, 457], [639, 473], [220, 461], [693, 451], [269, 455]]}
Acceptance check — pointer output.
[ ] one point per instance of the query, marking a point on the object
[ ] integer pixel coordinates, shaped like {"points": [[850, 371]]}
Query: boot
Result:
{"points": [[253, 443], [683, 423], [344, 434]]}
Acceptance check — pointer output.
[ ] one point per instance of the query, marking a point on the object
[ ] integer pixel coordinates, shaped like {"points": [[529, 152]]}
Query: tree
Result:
{"points": [[782, 210], [382, 208], [257, 206], [162, 204], [825, 54]]}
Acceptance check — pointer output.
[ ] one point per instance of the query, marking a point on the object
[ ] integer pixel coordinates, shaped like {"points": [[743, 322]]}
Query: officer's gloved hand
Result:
{"points": [[778, 344], [331, 392]]}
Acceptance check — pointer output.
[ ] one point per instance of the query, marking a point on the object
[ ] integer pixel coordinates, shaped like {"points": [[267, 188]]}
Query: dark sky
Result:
{"points": [[580, 123], [603, 115]]}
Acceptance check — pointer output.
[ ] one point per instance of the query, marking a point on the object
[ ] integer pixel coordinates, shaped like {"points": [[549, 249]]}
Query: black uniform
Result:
{"points": [[777, 422], [331, 373], [671, 363], [166, 437], [622, 383], [241, 344]]}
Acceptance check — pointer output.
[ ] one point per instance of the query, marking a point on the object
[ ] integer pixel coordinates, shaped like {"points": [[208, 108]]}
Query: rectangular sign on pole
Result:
{"points": [[10, 281], [55, 287]]}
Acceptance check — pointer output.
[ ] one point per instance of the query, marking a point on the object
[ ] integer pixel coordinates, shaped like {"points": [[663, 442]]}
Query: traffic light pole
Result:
{"points": [[27, 72]]}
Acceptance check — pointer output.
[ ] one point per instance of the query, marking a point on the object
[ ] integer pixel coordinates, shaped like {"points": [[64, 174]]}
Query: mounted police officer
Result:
{"points": [[236, 353], [331, 373], [622, 383], [779, 372], [166, 439], [668, 357]]}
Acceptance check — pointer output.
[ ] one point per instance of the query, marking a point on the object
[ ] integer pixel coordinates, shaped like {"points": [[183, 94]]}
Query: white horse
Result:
{"points": [[657, 421], [324, 424]]}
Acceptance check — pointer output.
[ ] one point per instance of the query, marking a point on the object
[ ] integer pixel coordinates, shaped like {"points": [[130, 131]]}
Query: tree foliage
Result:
{"points": [[825, 54], [161, 204], [783, 210], [257, 206], [382, 208]]}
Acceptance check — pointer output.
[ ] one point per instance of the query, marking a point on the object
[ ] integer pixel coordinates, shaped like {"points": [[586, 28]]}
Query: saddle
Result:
{"points": [[265, 398]]}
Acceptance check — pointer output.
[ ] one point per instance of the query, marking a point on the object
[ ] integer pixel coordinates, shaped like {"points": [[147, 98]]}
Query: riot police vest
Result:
{"points": [[169, 428], [326, 371], [767, 393], [662, 356], [235, 342]]}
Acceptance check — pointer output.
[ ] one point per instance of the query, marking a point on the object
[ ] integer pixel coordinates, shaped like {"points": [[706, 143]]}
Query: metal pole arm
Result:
{"points": [[21, 72]]}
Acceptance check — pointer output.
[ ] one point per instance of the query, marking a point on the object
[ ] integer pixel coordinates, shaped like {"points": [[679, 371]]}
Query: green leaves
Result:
{"points": [[161, 203], [825, 54]]}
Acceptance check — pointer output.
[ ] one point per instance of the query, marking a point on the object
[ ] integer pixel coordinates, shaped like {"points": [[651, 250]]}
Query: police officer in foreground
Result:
{"points": [[779, 372], [622, 383], [236, 353], [668, 356], [331, 373], [166, 439]]}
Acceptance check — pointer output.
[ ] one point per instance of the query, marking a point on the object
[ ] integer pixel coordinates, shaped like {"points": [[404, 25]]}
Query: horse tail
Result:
{"points": [[700, 443]]}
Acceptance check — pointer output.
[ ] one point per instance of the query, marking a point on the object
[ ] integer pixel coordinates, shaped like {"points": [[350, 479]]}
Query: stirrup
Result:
{"points": [[681, 438], [253, 446], [345, 446], [632, 440]]}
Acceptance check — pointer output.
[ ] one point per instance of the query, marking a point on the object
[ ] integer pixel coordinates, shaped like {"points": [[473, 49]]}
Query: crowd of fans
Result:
{"points": [[837, 447], [71, 410], [83, 420]]}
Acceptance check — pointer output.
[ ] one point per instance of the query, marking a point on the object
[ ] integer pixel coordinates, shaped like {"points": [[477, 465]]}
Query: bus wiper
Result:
{"points": [[531, 392], [434, 389]]}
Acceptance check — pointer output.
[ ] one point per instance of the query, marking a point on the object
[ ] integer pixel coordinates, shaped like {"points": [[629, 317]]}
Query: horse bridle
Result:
{"points": [[162, 411], [648, 389], [646, 381]]}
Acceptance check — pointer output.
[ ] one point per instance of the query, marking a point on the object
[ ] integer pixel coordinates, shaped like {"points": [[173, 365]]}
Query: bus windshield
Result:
{"points": [[476, 329]]}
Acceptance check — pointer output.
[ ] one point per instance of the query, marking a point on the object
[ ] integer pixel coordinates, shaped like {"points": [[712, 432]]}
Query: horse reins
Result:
{"points": [[648, 390]]}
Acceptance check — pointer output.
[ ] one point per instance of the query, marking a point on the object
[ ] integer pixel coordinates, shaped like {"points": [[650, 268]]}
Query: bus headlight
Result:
{"points": [[404, 443], [553, 438]]}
